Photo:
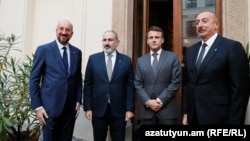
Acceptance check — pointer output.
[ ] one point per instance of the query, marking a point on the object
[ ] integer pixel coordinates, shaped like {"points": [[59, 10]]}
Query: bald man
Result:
{"points": [[56, 84]]}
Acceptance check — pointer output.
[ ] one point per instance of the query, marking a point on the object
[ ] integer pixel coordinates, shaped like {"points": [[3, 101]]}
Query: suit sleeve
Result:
{"points": [[138, 82], [239, 83], [35, 77], [87, 89], [79, 75], [130, 89], [184, 89]]}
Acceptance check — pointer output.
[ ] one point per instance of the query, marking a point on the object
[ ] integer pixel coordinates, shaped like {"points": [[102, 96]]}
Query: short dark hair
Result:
{"points": [[156, 28]]}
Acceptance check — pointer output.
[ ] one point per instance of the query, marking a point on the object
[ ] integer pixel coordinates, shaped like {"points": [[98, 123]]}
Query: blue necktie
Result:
{"points": [[65, 58], [199, 60]]}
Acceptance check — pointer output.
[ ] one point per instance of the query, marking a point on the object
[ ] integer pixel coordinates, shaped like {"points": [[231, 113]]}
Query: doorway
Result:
{"points": [[150, 13], [173, 17], [161, 15]]}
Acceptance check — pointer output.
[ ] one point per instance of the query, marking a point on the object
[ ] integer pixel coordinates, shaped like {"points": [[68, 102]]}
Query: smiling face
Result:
{"points": [[64, 31], [206, 25]]}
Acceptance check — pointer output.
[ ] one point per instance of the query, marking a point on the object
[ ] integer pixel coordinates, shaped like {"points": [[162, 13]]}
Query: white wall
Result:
{"points": [[90, 19], [35, 21], [12, 18]]}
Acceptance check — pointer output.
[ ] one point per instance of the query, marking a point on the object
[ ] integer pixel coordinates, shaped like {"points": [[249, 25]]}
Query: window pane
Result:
{"points": [[191, 3], [210, 2], [191, 32], [189, 36]]}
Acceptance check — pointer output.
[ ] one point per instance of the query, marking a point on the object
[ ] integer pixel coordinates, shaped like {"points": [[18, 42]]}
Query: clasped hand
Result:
{"points": [[154, 104]]}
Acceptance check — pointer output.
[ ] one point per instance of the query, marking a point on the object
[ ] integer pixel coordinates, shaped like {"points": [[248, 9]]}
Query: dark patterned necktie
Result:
{"points": [[199, 60], [65, 58], [155, 62]]}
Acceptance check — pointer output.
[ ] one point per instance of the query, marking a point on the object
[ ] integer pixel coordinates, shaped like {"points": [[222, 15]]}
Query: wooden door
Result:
{"points": [[173, 17]]}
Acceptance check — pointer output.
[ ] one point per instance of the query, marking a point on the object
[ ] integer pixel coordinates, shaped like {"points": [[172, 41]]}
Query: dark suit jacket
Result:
{"points": [[165, 85], [97, 86], [219, 91], [49, 71]]}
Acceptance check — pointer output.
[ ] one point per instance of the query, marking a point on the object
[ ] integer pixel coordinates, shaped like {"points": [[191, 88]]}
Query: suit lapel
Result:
{"points": [[57, 55], [212, 51], [149, 65], [102, 65], [162, 59], [192, 54], [73, 59], [117, 65], [193, 57]]}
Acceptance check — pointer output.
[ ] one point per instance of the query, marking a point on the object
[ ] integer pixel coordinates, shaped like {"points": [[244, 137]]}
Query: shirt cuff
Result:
{"points": [[158, 99], [146, 104], [38, 108]]}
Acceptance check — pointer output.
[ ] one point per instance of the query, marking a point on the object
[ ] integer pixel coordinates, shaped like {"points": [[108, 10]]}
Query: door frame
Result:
{"points": [[177, 27], [140, 46]]}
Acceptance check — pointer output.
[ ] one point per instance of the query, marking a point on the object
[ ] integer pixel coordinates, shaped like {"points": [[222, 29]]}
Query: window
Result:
{"points": [[210, 2], [191, 3], [191, 29]]}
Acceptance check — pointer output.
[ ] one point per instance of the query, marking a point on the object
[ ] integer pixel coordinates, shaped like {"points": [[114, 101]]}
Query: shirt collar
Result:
{"points": [[158, 52], [210, 41], [113, 53], [60, 45]]}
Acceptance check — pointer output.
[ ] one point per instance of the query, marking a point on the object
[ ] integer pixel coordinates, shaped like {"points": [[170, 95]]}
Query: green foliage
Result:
{"points": [[16, 114]]}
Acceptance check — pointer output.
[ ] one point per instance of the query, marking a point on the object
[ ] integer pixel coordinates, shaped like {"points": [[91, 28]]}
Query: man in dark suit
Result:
{"points": [[109, 90], [55, 87], [157, 83], [215, 87]]}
